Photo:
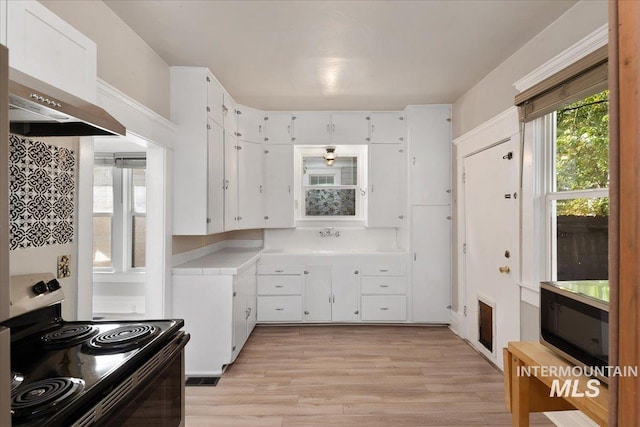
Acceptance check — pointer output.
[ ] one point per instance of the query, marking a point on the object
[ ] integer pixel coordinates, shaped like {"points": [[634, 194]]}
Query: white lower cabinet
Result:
{"points": [[384, 308], [317, 293], [280, 293], [219, 313], [345, 281], [383, 288]]}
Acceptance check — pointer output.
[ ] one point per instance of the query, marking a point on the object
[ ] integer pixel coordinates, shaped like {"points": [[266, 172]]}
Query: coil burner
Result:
{"points": [[121, 339], [45, 396], [68, 336]]}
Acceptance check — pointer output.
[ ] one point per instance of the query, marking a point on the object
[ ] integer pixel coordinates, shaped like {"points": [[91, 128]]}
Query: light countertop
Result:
{"points": [[227, 261]]}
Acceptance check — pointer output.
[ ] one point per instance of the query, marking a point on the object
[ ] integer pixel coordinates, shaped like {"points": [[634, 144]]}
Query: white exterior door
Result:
{"points": [[491, 260], [278, 129], [385, 185], [317, 293], [431, 242], [279, 186], [349, 128], [230, 182], [312, 128], [345, 281], [387, 128], [250, 206], [215, 178]]}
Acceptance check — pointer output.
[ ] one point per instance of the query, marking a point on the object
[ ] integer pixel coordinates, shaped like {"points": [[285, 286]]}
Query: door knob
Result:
{"points": [[504, 269]]}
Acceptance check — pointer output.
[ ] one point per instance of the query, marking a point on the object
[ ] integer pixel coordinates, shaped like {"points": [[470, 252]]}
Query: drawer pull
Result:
{"points": [[279, 309], [384, 308], [384, 286], [383, 271], [279, 271], [279, 286]]}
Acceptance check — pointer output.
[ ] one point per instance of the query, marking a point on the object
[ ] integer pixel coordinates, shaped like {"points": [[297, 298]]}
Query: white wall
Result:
{"points": [[495, 92], [124, 60]]}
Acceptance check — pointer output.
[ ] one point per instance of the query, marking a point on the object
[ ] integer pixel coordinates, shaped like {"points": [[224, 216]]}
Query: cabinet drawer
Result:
{"points": [[280, 308], [384, 308], [280, 269], [383, 285], [383, 270], [279, 284]]}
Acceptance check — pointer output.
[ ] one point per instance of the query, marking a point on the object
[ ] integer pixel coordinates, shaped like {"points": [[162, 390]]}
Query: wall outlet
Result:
{"points": [[64, 266]]}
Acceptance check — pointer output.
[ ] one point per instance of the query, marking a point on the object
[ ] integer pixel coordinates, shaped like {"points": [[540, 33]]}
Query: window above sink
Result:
{"points": [[330, 185]]}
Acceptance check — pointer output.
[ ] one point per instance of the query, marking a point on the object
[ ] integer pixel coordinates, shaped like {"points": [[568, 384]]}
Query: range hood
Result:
{"points": [[39, 109]]}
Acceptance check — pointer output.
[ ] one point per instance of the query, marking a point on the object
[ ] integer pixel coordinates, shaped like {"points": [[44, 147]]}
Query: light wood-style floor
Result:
{"points": [[353, 376]]}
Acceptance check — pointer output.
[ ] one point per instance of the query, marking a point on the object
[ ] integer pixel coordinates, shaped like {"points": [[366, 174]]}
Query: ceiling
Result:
{"points": [[340, 55]]}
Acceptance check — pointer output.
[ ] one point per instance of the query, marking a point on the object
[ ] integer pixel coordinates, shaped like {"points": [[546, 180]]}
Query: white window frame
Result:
{"points": [[121, 225], [358, 151], [546, 129]]}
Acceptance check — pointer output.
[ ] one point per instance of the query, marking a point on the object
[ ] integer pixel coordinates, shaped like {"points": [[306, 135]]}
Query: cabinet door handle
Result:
{"points": [[356, 272], [384, 308], [415, 256], [259, 128], [306, 312], [279, 309], [235, 293], [334, 298], [289, 188], [384, 286], [208, 109], [279, 271], [414, 160], [383, 270], [279, 286], [208, 220]]}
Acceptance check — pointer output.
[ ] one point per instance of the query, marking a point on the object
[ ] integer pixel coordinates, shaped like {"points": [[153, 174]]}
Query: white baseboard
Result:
{"points": [[456, 323], [570, 419]]}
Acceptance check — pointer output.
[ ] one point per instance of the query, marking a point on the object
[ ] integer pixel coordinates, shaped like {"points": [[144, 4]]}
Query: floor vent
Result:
{"points": [[202, 381], [485, 324]]}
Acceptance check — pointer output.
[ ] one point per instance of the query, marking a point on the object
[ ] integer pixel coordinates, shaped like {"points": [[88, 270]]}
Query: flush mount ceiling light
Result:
{"points": [[330, 156]]}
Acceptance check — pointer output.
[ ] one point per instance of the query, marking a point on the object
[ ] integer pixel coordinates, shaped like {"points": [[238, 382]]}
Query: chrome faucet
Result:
{"points": [[328, 232]]}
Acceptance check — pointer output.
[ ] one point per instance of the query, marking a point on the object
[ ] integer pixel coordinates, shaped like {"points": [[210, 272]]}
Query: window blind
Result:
{"points": [[585, 77], [121, 160]]}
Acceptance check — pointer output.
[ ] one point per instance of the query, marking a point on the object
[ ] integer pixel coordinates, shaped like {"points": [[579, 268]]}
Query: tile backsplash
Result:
{"points": [[41, 193]]}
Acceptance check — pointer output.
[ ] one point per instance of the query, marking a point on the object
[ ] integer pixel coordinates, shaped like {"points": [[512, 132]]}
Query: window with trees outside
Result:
{"points": [[577, 193], [119, 219]]}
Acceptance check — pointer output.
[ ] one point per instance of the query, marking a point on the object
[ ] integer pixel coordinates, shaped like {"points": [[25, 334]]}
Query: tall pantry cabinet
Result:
{"points": [[197, 110], [429, 158]]}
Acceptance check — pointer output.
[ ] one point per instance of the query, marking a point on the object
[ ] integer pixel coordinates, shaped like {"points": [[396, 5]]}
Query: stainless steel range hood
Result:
{"points": [[39, 109]]}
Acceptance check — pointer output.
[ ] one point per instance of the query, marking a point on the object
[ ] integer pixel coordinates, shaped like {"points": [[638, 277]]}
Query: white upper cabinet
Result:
{"points": [[230, 116], [46, 47], [215, 99], [250, 124], [349, 128], [312, 128], [387, 128], [385, 185], [198, 206], [250, 185], [278, 128], [230, 182], [215, 178], [429, 135], [278, 186]]}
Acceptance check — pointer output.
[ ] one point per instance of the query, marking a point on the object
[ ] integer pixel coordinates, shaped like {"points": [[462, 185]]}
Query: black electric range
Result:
{"points": [[103, 373]]}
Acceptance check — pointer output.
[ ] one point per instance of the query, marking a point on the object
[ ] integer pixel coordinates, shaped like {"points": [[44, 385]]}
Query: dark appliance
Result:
{"points": [[125, 373], [574, 321]]}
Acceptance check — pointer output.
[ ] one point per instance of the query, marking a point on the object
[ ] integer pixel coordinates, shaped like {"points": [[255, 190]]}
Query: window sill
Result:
{"points": [[119, 277], [330, 223]]}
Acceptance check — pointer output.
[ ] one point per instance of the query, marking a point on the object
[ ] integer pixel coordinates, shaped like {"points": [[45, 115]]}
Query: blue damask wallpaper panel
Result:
{"points": [[330, 202], [41, 193]]}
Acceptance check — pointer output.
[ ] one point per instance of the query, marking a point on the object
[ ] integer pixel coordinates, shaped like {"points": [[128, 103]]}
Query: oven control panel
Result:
{"points": [[32, 291]]}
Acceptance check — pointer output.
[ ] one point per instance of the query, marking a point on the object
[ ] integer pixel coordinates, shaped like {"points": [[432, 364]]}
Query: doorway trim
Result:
{"points": [[147, 128], [498, 129]]}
